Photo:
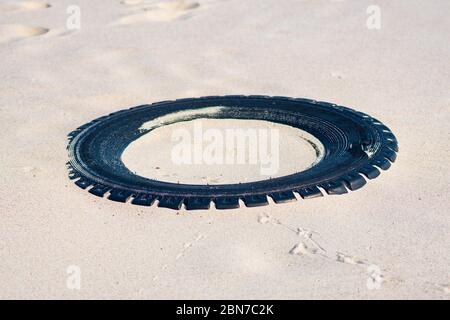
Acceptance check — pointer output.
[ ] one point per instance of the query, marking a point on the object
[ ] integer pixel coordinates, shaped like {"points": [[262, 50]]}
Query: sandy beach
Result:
{"points": [[65, 63]]}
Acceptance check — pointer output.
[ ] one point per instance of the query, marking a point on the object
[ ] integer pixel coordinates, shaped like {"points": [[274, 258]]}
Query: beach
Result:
{"points": [[66, 63]]}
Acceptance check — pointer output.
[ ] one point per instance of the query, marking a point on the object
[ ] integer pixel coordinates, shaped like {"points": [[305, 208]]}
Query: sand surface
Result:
{"points": [[394, 233]]}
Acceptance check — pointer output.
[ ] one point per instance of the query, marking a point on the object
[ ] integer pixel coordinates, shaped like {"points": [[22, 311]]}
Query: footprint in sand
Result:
{"points": [[8, 6], [303, 248], [162, 11], [308, 246], [187, 245], [344, 258], [14, 32], [182, 253]]}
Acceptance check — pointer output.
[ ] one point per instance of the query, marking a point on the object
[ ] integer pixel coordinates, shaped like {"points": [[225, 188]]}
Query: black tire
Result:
{"points": [[356, 146]]}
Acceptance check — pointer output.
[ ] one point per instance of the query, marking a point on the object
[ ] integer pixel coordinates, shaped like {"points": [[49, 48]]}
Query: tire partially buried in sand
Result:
{"points": [[355, 145]]}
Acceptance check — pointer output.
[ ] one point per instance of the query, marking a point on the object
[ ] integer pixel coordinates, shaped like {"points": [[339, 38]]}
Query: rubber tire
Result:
{"points": [[356, 147]]}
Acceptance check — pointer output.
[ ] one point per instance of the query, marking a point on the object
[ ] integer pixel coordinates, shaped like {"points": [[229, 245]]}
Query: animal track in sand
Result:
{"points": [[186, 247], [344, 258], [22, 5], [162, 11], [309, 246], [302, 248], [13, 32]]}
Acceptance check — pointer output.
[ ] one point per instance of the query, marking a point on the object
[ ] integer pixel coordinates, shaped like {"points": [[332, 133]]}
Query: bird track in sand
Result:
{"points": [[308, 246], [182, 253]]}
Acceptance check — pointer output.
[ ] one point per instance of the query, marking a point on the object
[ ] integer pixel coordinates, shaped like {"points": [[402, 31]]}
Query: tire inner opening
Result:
{"points": [[221, 151]]}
